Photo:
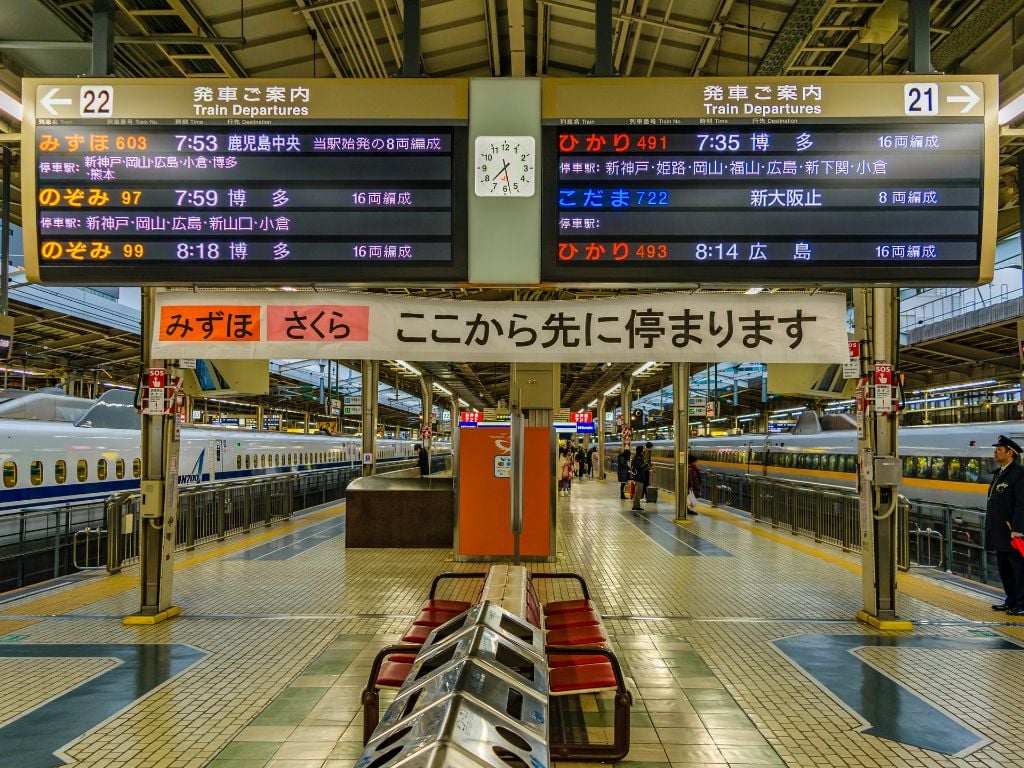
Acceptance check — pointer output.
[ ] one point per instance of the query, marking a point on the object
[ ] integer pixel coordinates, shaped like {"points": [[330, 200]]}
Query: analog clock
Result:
{"points": [[504, 166]]}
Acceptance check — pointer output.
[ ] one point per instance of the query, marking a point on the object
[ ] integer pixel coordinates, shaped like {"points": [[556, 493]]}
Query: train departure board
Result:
{"points": [[249, 181], [789, 180]]}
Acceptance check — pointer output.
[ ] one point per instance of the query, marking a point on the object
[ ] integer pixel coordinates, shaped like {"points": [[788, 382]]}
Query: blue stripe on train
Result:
{"points": [[26, 498]]}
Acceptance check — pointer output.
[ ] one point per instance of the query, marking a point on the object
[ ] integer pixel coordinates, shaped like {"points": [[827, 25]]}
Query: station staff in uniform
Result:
{"points": [[1005, 520]]}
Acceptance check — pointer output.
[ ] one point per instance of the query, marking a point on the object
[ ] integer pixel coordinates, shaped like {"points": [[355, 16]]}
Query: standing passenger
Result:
{"points": [[640, 472], [622, 471], [1005, 521], [591, 458], [422, 460], [693, 482]]}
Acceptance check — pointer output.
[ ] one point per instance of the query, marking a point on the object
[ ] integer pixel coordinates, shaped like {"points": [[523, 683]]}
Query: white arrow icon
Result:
{"points": [[49, 101], [969, 101]]}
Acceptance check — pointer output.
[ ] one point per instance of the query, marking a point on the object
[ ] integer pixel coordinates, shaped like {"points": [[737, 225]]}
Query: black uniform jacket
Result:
{"points": [[1005, 505]]}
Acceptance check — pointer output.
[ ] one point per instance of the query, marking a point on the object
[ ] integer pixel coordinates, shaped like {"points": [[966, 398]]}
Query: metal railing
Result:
{"points": [[218, 510], [930, 535], [41, 544]]}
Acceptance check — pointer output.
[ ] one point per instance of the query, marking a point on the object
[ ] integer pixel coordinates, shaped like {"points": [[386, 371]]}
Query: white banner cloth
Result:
{"points": [[667, 327]]}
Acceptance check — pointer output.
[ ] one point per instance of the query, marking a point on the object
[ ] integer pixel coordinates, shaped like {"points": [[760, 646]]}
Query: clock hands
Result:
{"points": [[504, 170]]}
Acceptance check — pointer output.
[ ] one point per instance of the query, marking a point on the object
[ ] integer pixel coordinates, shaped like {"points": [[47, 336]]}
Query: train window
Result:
{"points": [[277, 460], [954, 469], [851, 462], [36, 472], [908, 466], [101, 469], [82, 470], [119, 469], [238, 461], [972, 471], [938, 468], [922, 466], [831, 460], [263, 460], [10, 474], [247, 461], [60, 471], [136, 468]]}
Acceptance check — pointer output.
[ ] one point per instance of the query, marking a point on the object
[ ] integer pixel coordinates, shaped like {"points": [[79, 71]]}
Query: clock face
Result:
{"points": [[504, 166]]}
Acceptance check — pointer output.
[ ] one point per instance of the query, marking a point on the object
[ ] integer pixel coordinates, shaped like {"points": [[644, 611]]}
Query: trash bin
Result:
{"points": [[651, 493]]}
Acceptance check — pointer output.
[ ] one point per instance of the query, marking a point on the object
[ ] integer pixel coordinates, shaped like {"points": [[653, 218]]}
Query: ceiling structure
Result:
{"points": [[502, 38]]}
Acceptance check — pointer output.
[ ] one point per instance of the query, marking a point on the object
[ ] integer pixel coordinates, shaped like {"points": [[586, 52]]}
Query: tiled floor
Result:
{"points": [[288, 644]]}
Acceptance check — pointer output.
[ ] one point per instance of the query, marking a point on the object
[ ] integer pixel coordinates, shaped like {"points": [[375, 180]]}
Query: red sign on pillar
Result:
{"points": [[581, 417]]}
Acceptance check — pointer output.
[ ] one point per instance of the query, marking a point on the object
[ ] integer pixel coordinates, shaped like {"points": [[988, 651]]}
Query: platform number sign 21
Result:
{"points": [[96, 101], [921, 98]]}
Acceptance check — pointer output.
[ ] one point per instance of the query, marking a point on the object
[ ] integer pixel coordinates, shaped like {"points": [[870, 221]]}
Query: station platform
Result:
{"points": [[739, 642]]}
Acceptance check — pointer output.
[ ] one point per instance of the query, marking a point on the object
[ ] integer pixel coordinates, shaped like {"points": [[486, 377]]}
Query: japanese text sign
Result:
{"points": [[714, 327]]}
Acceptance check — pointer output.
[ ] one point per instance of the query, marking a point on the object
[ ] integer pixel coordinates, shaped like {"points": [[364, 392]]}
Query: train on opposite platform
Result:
{"points": [[941, 464], [54, 463]]}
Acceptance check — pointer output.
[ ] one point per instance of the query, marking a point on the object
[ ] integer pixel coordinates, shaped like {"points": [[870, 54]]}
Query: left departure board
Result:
{"points": [[169, 182]]}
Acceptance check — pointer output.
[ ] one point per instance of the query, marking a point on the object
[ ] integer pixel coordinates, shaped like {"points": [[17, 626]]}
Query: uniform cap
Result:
{"points": [[1006, 442]]}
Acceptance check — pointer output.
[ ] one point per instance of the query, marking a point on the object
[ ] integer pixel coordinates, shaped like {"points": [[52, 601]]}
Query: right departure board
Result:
{"points": [[834, 181]]}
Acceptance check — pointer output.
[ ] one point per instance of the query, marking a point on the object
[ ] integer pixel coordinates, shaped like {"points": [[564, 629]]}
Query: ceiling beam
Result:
{"points": [[790, 37], [972, 32]]}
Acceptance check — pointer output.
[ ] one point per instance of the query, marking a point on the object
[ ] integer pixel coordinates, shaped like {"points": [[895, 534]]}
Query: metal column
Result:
{"points": [[427, 387], [371, 377], [681, 427], [601, 475], [159, 508], [877, 312], [103, 38]]}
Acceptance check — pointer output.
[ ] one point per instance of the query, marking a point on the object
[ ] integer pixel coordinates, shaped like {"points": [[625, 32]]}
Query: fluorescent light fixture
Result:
{"points": [[1012, 109], [754, 291], [789, 410], [613, 390], [442, 390], [288, 288], [968, 385], [10, 105], [644, 367], [463, 403], [592, 404], [409, 368], [20, 371], [1010, 391], [715, 421], [928, 400], [111, 385]]}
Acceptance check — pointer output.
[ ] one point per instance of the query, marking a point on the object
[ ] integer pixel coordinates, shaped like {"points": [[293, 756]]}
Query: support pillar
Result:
{"points": [[681, 427], [879, 468], [102, 38], [371, 377], [159, 495], [626, 399], [427, 387], [601, 474]]}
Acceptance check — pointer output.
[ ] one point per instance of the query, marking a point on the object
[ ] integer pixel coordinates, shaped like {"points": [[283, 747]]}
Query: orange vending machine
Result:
{"points": [[483, 501]]}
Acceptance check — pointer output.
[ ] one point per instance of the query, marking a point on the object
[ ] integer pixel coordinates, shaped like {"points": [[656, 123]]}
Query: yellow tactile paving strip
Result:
{"points": [[289, 642]]}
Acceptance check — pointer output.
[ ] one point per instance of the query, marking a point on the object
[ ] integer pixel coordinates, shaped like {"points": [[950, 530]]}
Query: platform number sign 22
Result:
{"points": [[921, 98], [96, 101]]}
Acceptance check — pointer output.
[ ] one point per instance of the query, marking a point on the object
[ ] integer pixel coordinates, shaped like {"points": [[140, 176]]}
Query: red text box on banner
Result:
{"points": [[195, 322], [318, 322]]}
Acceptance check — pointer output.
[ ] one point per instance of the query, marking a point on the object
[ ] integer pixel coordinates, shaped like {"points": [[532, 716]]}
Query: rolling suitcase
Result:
{"points": [[651, 494]]}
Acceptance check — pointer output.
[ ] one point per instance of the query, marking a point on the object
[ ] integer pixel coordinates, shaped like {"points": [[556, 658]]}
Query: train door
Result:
{"points": [[215, 457]]}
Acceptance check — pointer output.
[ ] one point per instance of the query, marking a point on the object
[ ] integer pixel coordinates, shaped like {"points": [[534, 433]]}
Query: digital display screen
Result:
{"points": [[173, 202], [873, 201]]}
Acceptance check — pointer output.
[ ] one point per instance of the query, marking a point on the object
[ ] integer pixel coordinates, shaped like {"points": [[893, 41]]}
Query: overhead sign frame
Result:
{"points": [[693, 240], [375, 191]]}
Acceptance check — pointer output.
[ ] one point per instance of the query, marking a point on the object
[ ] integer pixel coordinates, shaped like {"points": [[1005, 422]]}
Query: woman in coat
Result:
{"points": [[622, 471]]}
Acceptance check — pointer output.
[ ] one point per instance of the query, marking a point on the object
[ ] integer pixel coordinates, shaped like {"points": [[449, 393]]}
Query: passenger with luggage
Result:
{"points": [[622, 471], [640, 473], [693, 483]]}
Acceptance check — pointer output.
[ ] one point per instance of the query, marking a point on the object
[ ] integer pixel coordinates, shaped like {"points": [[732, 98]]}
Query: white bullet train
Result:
{"points": [[49, 463], [948, 464]]}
